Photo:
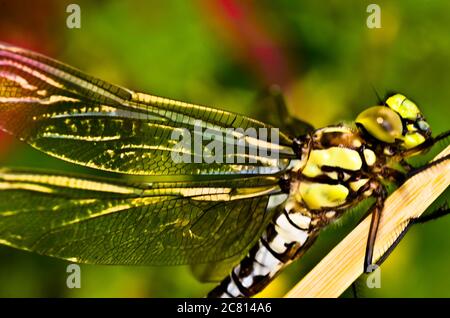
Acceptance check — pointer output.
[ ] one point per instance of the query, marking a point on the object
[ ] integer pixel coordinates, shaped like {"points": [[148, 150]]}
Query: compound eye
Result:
{"points": [[424, 127], [382, 123]]}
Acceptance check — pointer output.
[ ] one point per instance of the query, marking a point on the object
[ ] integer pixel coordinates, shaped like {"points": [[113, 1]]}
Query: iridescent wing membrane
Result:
{"points": [[97, 221], [72, 116], [67, 114]]}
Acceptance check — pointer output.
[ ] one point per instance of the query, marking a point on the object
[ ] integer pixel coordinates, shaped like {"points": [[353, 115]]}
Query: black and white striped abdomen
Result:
{"points": [[281, 243]]}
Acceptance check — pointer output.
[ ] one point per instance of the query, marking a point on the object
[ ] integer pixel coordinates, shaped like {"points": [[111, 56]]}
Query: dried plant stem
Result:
{"points": [[344, 264]]}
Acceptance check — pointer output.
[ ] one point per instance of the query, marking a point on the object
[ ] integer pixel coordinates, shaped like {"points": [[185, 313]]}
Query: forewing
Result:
{"points": [[101, 222], [75, 117]]}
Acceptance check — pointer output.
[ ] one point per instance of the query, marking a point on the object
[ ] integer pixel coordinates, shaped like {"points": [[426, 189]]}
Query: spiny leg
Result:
{"points": [[397, 176], [427, 166], [441, 211], [394, 175], [436, 214], [410, 169], [376, 210], [426, 145]]}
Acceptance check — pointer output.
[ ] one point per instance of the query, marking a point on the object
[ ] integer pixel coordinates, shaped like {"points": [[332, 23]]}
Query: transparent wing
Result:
{"points": [[93, 220], [75, 117]]}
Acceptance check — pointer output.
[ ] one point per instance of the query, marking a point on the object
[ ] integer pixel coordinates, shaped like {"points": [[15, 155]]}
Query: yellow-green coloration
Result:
{"points": [[356, 185], [385, 123], [62, 181], [382, 123], [25, 186], [412, 140], [406, 108], [320, 195], [370, 157], [332, 175], [335, 157]]}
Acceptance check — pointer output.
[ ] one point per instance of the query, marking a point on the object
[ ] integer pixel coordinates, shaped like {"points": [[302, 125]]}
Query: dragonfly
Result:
{"points": [[262, 213]]}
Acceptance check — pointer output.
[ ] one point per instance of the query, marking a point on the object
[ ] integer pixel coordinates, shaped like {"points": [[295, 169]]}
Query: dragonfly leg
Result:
{"points": [[436, 214], [396, 176], [376, 209], [399, 178], [428, 165], [408, 167], [427, 144]]}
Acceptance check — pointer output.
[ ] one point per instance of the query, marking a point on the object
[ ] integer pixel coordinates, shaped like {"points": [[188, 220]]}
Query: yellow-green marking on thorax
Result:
{"points": [[335, 157], [320, 195]]}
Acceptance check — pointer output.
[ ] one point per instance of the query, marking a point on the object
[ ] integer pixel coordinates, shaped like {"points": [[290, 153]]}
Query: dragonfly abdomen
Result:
{"points": [[284, 240]]}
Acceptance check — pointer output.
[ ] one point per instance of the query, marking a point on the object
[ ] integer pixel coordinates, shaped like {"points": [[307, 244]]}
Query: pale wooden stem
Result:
{"points": [[344, 264]]}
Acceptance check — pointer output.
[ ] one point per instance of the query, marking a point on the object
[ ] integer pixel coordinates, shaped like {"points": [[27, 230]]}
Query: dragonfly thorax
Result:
{"points": [[335, 173]]}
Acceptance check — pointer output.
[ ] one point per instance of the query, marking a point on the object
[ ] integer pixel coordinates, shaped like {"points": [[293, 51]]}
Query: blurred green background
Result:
{"points": [[224, 53]]}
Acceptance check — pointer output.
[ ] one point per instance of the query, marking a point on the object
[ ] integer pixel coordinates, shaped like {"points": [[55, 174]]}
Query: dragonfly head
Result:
{"points": [[398, 122]]}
